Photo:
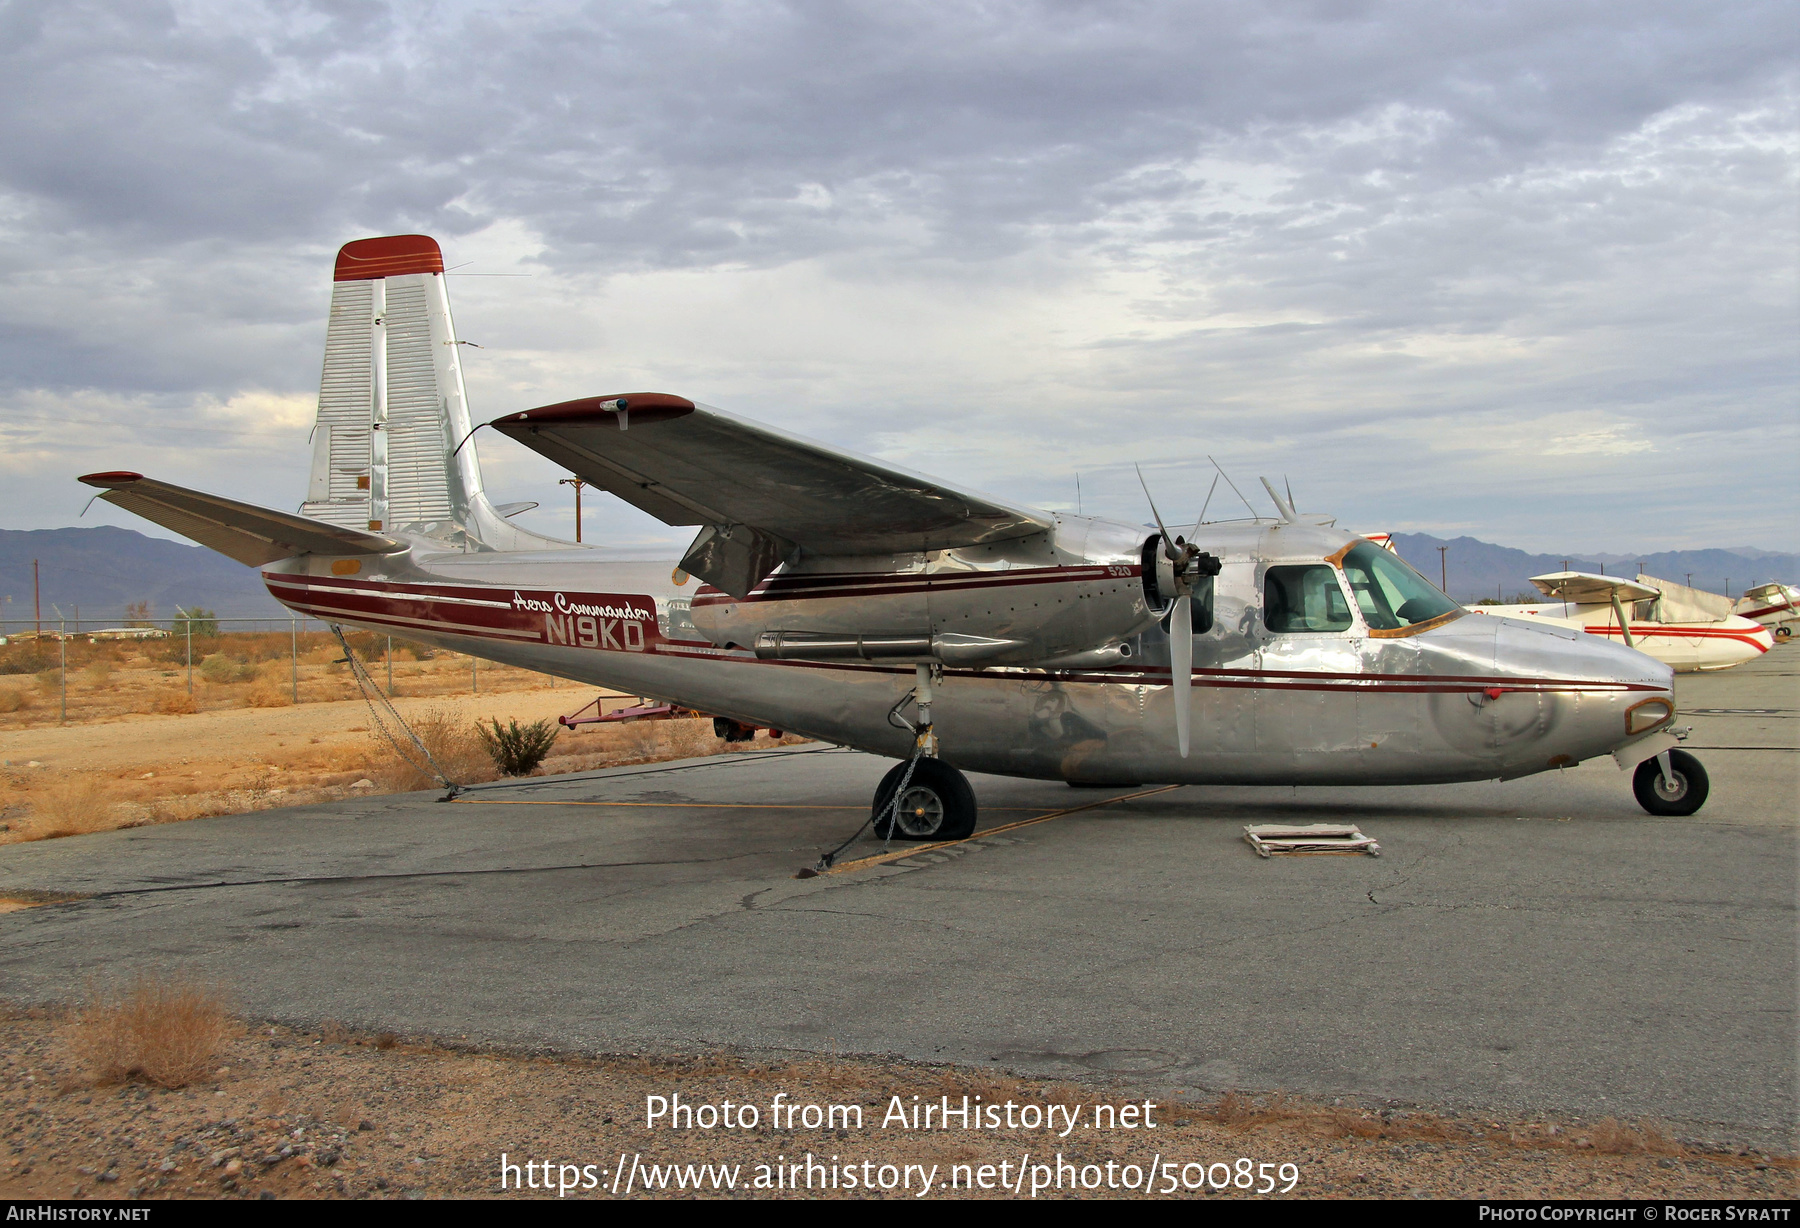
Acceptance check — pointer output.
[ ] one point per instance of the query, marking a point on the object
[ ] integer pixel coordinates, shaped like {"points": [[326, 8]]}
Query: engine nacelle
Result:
{"points": [[1009, 603]]}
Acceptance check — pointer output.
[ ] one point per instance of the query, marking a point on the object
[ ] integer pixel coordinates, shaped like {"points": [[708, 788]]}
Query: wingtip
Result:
{"points": [[116, 477], [644, 407]]}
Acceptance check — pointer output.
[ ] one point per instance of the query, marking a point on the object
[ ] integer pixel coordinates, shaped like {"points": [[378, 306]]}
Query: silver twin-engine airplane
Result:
{"points": [[860, 604]]}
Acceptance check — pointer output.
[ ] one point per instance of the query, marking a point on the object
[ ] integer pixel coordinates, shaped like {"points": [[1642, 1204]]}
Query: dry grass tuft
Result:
{"points": [[176, 702], [268, 693], [183, 807], [70, 805], [14, 699], [452, 742], [166, 1033], [1609, 1135]]}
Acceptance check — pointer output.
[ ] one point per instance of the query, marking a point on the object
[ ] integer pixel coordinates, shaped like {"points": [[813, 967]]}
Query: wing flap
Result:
{"points": [[689, 464], [251, 535]]}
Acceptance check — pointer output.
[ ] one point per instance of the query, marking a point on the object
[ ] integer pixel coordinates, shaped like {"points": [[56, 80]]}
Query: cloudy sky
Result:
{"points": [[1520, 270]]}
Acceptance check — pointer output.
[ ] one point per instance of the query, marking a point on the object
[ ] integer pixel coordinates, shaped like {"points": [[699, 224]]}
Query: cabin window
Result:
{"points": [[1304, 599], [1390, 594]]}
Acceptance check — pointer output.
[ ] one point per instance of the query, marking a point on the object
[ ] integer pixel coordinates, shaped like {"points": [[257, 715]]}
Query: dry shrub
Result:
{"points": [[97, 672], [162, 1032], [221, 670], [50, 680], [268, 693], [452, 743], [14, 699], [659, 740], [70, 805], [176, 702]]}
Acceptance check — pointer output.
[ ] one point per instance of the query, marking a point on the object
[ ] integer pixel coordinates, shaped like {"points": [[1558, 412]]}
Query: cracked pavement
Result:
{"points": [[1538, 945]]}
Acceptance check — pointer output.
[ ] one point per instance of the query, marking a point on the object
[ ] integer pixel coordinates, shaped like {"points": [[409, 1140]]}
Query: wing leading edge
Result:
{"points": [[759, 494], [252, 535]]}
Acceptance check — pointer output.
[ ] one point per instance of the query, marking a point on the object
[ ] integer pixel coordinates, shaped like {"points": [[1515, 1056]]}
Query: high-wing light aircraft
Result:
{"points": [[1775, 606], [1682, 627], [861, 604]]}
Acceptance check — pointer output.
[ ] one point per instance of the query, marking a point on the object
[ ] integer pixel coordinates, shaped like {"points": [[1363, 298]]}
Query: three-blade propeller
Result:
{"points": [[1180, 566]]}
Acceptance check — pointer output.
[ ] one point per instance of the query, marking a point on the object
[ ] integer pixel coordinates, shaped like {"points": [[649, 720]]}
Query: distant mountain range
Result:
{"points": [[1475, 569], [99, 571]]}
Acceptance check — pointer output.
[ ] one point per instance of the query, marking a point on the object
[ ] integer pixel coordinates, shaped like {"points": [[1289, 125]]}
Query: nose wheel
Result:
{"points": [[1675, 789]]}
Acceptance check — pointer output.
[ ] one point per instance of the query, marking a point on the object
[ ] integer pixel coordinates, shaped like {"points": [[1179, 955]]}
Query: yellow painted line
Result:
{"points": [[863, 863]]}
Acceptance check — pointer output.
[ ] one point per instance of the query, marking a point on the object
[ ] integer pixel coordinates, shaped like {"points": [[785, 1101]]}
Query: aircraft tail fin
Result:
{"points": [[388, 447]]}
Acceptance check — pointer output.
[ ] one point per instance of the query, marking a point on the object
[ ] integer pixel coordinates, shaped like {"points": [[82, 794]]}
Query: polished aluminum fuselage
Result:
{"points": [[1087, 698]]}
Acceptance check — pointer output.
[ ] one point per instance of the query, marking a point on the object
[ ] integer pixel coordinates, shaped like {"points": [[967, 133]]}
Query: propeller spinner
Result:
{"points": [[1180, 565]]}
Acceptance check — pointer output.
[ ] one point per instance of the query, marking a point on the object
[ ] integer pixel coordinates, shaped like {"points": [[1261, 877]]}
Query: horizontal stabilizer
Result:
{"points": [[251, 535], [1586, 588]]}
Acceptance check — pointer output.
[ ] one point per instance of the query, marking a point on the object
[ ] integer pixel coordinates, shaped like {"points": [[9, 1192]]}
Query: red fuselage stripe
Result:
{"points": [[415, 607]]}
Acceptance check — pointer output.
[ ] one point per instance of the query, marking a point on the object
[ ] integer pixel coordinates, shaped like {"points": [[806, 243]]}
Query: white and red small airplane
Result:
{"points": [[1686, 628], [1775, 606]]}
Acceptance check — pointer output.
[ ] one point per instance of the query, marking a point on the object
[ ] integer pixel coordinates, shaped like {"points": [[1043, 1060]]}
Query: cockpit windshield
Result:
{"points": [[1390, 594]]}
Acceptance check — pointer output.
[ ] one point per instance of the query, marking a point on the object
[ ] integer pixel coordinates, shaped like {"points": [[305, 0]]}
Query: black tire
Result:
{"points": [[1690, 782], [731, 731], [938, 804]]}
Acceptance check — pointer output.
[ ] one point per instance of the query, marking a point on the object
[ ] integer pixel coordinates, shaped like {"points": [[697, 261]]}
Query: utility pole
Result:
{"points": [[37, 611], [1443, 570], [577, 483]]}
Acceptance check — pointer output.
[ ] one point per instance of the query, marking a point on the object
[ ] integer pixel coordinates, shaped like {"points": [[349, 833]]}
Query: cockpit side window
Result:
{"points": [[1390, 594], [1305, 598]]}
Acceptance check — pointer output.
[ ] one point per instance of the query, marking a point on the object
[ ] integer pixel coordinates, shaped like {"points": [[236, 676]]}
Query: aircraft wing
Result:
{"points": [[759, 492], [251, 535], [1586, 588]]}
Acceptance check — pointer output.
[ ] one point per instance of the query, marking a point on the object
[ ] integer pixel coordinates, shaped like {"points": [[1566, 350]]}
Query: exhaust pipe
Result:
{"points": [[817, 646]]}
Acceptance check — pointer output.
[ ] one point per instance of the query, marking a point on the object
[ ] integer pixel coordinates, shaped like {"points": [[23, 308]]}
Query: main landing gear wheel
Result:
{"points": [[1685, 791], [938, 803]]}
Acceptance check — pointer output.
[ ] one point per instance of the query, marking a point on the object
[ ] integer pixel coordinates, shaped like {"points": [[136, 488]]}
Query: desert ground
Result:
{"points": [[139, 747], [331, 1114]]}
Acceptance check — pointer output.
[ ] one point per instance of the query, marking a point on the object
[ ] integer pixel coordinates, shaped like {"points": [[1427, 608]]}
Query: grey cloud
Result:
{"points": [[175, 177]]}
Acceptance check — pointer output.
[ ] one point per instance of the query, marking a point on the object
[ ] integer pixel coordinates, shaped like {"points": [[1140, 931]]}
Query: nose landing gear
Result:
{"points": [[1672, 784]]}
